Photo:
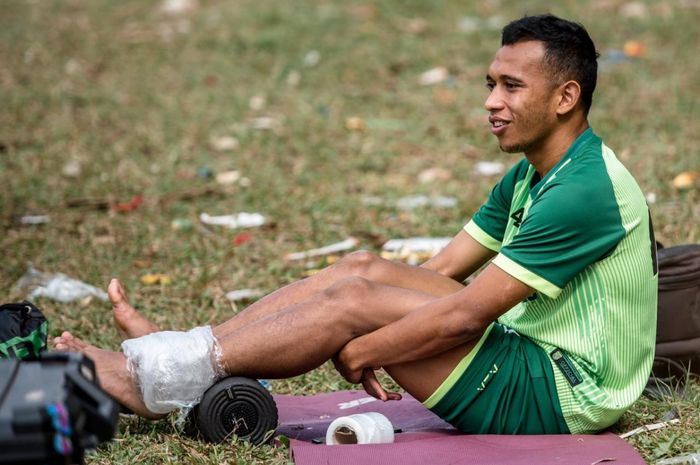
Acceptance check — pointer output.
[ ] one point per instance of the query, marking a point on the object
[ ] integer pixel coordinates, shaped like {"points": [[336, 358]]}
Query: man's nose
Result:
{"points": [[494, 101]]}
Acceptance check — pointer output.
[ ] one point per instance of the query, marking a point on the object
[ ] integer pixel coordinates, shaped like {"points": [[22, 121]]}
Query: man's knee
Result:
{"points": [[348, 291], [346, 302], [360, 263]]}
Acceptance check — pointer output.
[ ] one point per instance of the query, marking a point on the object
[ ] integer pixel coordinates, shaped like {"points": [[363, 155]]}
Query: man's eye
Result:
{"points": [[490, 85], [511, 85]]}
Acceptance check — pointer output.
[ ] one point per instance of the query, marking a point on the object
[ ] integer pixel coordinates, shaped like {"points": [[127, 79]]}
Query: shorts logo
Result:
{"points": [[507, 330], [488, 377]]}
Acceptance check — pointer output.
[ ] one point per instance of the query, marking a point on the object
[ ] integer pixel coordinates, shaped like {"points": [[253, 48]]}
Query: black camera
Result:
{"points": [[52, 409]]}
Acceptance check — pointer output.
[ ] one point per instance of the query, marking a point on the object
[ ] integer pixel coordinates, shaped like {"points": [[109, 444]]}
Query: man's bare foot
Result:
{"points": [[129, 322], [111, 371]]}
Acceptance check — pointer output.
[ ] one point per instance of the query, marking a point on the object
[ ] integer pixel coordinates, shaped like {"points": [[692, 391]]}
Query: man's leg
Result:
{"points": [[362, 264], [298, 339], [421, 378]]}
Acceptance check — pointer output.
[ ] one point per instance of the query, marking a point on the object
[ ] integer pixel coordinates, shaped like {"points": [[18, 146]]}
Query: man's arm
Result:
{"points": [[439, 326], [460, 258]]}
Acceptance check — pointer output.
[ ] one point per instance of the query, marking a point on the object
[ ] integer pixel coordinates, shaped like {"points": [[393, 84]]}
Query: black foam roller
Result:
{"points": [[236, 406]]}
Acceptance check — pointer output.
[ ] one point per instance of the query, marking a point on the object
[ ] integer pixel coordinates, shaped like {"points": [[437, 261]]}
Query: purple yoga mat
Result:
{"points": [[427, 440]]}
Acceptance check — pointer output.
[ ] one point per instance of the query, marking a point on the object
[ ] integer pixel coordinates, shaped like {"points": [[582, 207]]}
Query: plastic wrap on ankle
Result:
{"points": [[173, 368]]}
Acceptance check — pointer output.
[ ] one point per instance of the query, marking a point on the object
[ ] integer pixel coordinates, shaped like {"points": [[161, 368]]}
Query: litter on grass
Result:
{"points": [[178, 7], [413, 250], [56, 286], [489, 168], [631, 50], [637, 10], [312, 58], [342, 246], [131, 205], [355, 123], [265, 123], [314, 266], [71, 169], [686, 180], [690, 459], [241, 238], [411, 202], [225, 143], [243, 294], [182, 224], [228, 177], [433, 76], [204, 172], [234, 221], [434, 174], [156, 278], [650, 427], [34, 219], [634, 49]]}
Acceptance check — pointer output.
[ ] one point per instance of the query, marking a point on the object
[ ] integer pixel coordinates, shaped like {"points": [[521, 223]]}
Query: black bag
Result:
{"points": [[678, 320], [52, 410], [23, 331]]}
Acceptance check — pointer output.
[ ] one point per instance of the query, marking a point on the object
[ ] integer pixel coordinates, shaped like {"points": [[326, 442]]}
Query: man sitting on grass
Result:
{"points": [[555, 335]]}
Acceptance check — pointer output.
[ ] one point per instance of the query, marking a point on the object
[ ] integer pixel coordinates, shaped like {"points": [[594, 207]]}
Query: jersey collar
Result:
{"points": [[586, 137]]}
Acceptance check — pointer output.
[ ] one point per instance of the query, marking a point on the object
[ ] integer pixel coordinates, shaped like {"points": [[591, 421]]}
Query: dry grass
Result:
{"points": [[136, 98]]}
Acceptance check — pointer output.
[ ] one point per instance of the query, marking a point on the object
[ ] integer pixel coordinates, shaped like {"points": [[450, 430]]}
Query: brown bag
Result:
{"points": [[678, 323]]}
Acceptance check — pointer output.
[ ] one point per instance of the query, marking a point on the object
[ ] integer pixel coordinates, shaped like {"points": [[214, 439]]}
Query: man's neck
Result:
{"points": [[545, 157]]}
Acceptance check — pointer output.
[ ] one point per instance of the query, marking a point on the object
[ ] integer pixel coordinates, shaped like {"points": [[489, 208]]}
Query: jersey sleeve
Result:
{"points": [[566, 229], [488, 224]]}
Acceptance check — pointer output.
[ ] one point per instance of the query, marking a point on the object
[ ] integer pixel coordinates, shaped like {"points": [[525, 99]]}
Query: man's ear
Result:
{"points": [[569, 96]]}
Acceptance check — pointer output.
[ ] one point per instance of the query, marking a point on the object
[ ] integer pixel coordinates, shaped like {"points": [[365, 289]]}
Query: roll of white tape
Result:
{"points": [[361, 428]]}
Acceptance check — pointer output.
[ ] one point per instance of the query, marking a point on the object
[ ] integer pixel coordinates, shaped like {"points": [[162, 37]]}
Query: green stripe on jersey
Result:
{"points": [[580, 238]]}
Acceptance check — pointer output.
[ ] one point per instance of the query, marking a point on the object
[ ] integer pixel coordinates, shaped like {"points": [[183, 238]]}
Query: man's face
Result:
{"points": [[521, 101]]}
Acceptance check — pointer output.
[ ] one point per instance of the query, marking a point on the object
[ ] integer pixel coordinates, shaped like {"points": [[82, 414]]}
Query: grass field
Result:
{"points": [[318, 106]]}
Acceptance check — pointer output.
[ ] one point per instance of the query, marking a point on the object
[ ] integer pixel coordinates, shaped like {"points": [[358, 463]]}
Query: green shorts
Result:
{"points": [[505, 385]]}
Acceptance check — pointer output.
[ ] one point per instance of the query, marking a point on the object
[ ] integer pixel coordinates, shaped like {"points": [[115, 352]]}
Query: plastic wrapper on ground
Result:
{"points": [[234, 221], [243, 294], [347, 244], [56, 286]]}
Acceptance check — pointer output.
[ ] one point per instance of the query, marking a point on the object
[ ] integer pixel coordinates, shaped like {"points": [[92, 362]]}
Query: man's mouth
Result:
{"points": [[498, 125]]}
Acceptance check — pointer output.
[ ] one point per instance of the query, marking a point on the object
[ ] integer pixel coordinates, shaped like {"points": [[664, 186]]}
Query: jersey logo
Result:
{"points": [[567, 368], [517, 217]]}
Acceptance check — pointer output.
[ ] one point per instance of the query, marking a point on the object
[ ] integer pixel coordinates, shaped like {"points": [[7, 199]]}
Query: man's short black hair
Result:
{"points": [[569, 51]]}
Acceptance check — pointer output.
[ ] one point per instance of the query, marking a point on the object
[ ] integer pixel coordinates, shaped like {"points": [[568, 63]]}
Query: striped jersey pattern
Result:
{"points": [[582, 238]]}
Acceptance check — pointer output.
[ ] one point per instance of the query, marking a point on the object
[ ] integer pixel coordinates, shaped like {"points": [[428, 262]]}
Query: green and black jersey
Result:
{"points": [[581, 237]]}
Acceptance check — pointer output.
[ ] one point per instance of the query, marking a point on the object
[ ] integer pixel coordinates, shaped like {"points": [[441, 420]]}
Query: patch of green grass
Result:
{"points": [[136, 98]]}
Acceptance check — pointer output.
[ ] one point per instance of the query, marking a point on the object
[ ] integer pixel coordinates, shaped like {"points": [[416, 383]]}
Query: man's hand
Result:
{"points": [[374, 388], [365, 376], [342, 367]]}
